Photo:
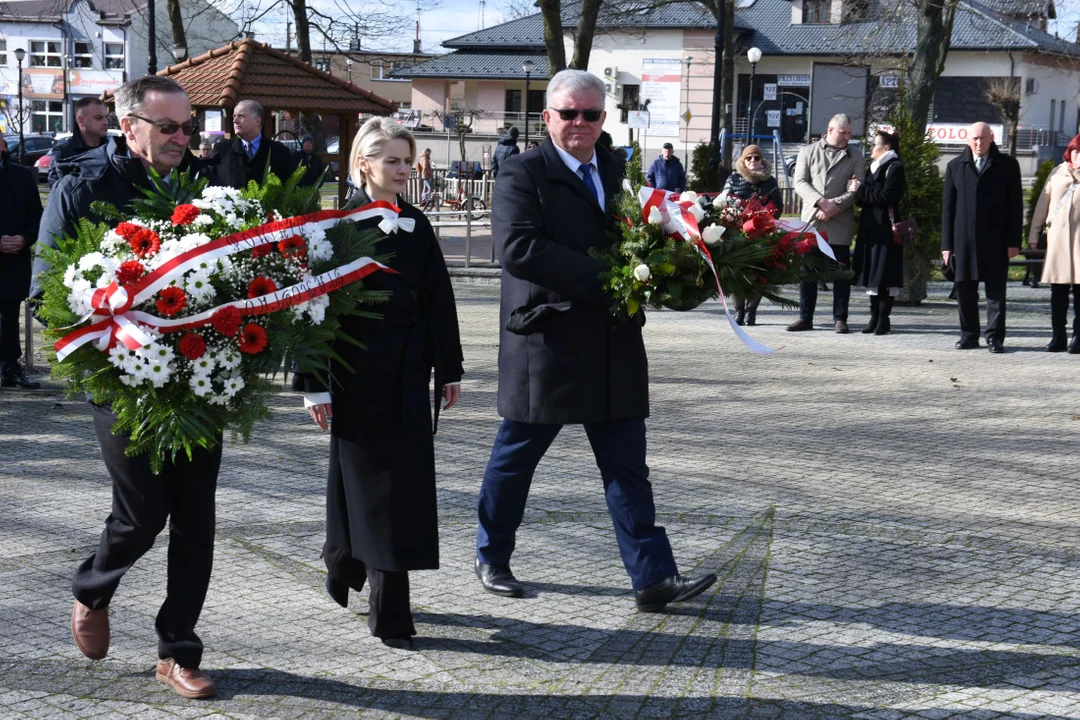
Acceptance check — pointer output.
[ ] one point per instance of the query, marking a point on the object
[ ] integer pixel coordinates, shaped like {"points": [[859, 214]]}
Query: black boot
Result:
{"points": [[751, 310], [1057, 343], [884, 326], [1074, 346], [875, 304], [740, 311]]}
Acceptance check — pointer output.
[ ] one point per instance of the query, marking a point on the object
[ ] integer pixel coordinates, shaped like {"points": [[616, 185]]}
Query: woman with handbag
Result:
{"points": [[879, 258], [381, 518], [753, 178], [1057, 220]]}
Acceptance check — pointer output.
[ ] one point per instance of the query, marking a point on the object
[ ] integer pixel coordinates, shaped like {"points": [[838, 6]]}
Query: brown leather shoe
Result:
{"points": [[90, 629], [841, 327], [187, 682], [800, 325]]}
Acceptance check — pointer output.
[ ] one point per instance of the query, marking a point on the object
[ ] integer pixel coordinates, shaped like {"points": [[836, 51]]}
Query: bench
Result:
{"points": [[1031, 260]]}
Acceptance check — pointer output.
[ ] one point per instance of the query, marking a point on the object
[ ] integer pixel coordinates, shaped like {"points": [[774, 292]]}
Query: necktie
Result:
{"points": [[250, 149], [586, 175], [979, 164]]}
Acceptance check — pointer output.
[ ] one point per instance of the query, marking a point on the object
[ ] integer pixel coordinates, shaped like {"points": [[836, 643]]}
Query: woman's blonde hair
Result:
{"points": [[370, 141]]}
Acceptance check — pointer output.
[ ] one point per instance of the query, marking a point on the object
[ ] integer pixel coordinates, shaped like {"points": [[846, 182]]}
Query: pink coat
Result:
{"points": [[1063, 236]]}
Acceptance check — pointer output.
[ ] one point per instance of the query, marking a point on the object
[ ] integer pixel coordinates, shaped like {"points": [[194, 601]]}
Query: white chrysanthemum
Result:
{"points": [[201, 385], [156, 354], [233, 385], [316, 309], [199, 289], [82, 292], [204, 365], [227, 360], [194, 240], [71, 275], [218, 399], [202, 219], [131, 380], [158, 373], [320, 249], [113, 242], [119, 355], [90, 261]]}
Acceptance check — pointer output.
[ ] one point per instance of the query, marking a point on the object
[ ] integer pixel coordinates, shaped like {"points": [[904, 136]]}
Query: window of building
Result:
{"points": [[83, 57], [817, 11], [377, 69], [513, 101], [1061, 123], [3, 52], [322, 64], [631, 96], [381, 69], [1053, 112], [46, 116], [45, 53], [114, 56]]}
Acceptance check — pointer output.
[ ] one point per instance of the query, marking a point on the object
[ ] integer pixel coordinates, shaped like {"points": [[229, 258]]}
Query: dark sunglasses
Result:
{"points": [[571, 115], [753, 157], [169, 128]]}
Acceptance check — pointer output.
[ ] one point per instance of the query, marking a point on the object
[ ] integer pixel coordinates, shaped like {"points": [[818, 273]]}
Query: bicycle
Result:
{"points": [[473, 204]]}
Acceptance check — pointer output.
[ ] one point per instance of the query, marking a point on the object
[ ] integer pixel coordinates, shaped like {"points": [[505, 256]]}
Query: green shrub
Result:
{"points": [[702, 177], [635, 171], [1041, 175]]}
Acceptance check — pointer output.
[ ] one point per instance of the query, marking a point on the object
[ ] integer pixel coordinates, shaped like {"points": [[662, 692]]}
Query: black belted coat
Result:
{"points": [[20, 214], [562, 357], [382, 453], [982, 216]]}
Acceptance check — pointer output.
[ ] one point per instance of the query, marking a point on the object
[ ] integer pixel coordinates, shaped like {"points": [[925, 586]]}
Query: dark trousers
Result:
{"points": [[183, 494], [619, 448], [10, 349], [808, 290], [1059, 308], [389, 613], [967, 296]]}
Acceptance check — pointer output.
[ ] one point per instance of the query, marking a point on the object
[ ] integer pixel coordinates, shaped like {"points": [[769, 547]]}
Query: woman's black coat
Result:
{"points": [[982, 216], [562, 358], [20, 214], [878, 261], [382, 456]]}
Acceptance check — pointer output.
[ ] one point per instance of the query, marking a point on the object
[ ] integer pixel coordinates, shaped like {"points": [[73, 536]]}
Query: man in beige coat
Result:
{"points": [[822, 175]]}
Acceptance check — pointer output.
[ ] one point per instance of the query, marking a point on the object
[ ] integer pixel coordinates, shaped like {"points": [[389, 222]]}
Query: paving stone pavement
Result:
{"points": [[893, 523]]}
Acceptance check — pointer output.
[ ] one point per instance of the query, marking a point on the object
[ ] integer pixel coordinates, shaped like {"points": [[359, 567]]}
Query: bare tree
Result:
{"points": [[934, 28], [1004, 93], [176, 23], [517, 9]]}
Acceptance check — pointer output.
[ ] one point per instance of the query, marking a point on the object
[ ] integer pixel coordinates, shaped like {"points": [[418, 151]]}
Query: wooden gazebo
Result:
{"points": [[250, 70]]}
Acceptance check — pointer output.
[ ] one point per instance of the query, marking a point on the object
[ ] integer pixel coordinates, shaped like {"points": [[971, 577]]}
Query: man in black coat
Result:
{"points": [[20, 212], [246, 155], [507, 148], [91, 130], [307, 158], [155, 116], [982, 223], [562, 358]]}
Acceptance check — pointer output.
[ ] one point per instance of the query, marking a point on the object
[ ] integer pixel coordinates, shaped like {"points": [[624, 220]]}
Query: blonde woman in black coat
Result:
{"points": [[879, 262]]}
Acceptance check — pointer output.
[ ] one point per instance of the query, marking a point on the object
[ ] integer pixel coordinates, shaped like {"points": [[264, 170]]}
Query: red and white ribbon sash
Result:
{"points": [[678, 221], [121, 324], [801, 228]]}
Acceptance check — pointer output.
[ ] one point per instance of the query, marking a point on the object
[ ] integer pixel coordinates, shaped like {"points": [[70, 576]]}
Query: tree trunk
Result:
{"points": [[934, 25], [728, 97], [586, 30], [553, 34], [176, 21], [310, 123]]}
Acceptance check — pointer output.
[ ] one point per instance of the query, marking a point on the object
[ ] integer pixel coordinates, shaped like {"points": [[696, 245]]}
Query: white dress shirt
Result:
{"points": [[573, 163]]}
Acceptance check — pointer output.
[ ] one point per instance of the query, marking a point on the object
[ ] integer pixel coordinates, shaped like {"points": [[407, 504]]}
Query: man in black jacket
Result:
{"points": [[245, 156], [562, 358], [982, 223], [155, 116], [307, 158], [20, 212], [91, 130], [507, 148]]}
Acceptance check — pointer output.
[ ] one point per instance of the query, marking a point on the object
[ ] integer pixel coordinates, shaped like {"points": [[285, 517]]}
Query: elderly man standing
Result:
{"points": [[562, 359], [822, 173], [667, 172], [155, 117], [92, 127], [20, 213], [245, 156], [982, 222]]}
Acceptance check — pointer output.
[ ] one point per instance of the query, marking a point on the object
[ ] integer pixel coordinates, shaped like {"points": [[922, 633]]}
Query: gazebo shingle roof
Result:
{"points": [[250, 70]]}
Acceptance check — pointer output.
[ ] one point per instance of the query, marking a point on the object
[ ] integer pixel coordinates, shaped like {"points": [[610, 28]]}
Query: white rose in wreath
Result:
{"points": [[697, 212], [720, 201], [655, 216], [689, 196], [713, 235], [642, 272]]}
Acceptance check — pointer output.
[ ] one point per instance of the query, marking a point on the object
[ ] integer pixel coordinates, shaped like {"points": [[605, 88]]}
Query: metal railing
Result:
{"points": [[469, 219]]}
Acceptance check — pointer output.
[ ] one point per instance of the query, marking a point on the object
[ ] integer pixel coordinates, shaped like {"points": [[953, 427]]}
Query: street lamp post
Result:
{"points": [[754, 56], [20, 55], [151, 42], [528, 66], [348, 67], [686, 137]]}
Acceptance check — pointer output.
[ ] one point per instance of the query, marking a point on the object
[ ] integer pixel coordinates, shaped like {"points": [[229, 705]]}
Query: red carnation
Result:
{"points": [[252, 339], [127, 230], [129, 272], [192, 346], [260, 286], [293, 247], [172, 301], [227, 321], [261, 251], [145, 242], [805, 246], [184, 214]]}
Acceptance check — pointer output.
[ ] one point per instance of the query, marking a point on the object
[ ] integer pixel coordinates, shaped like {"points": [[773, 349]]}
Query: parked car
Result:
{"points": [[469, 170], [45, 161], [36, 146]]}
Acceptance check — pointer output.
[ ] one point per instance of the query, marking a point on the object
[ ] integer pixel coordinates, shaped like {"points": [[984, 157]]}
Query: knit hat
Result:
{"points": [[751, 150]]}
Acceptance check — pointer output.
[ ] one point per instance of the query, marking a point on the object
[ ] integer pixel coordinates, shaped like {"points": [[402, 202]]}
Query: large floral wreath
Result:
{"points": [[179, 316]]}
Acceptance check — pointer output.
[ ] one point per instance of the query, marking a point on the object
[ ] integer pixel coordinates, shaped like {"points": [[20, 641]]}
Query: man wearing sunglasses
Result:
{"points": [[562, 359], [248, 154], [155, 116]]}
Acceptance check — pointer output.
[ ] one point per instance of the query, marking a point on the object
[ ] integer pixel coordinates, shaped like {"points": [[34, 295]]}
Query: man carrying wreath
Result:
{"points": [[155, 116], [563, 360]]}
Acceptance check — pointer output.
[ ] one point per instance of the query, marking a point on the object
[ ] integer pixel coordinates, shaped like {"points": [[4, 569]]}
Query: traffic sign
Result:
{"points": [[686, 116]]}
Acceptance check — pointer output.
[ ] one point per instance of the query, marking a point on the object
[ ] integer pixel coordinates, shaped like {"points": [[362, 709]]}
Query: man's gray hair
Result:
{"points": [[839, 120], [131, 95], [252, 107], [572, 82]]}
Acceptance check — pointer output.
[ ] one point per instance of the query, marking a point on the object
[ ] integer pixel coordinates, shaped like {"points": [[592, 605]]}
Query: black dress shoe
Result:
{"points": [[673, 589], [17, 379], [961, 345], [1057, 344], [995, 346], [399, 643], [499, 579], [1074, 345]]}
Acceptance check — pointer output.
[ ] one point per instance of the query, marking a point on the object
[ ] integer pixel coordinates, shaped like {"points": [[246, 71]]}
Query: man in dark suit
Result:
{"points": [[562, 358], [20, 213], [91, 131], [246, 155], [982, 222]]}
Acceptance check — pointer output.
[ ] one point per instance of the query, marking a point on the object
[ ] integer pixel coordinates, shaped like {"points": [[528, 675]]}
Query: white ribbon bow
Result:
{"points": [[393, 224]]}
